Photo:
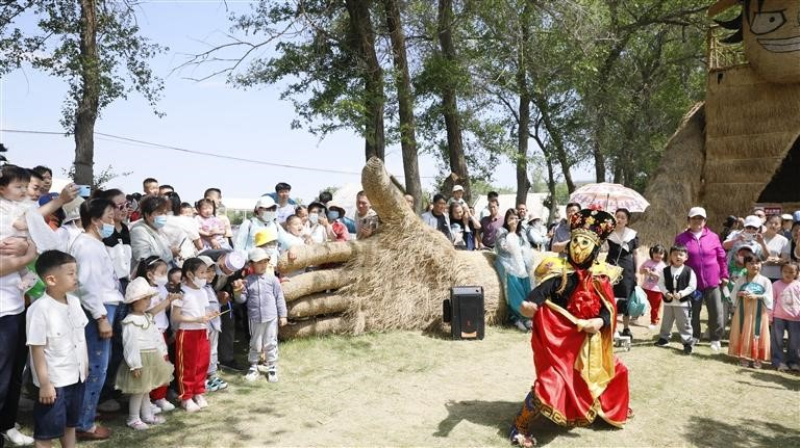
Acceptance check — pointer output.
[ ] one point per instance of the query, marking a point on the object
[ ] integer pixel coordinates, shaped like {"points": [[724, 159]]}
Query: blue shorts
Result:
{"points": [[49, 421]]}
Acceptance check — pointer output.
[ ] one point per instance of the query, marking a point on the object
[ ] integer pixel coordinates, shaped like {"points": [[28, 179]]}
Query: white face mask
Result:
{"points": [[199, 282], [268, 216], [161, 281], [313, 218]]}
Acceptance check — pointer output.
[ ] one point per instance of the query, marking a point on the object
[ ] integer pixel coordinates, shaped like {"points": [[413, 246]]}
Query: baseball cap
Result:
{"points": [[265, 202], [235, 260], [697, 211], [457, 188], [257, 254], [207, 260], [787, 217], [752, 221]]}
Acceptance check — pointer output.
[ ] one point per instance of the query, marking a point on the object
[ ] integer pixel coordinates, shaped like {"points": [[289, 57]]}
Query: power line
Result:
{"points": [[191, 151]]}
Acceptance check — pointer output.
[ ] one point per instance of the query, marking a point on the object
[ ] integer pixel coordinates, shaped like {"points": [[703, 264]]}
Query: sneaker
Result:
{"points": [[652, 327], [627, 332], [137, 425], [272, 376], [252, 374], [782, 367], [109, 406], [156, 420], [221, 384], [744, 363], [211, 386], [695, 341], [201, 401], [520, 326], [661, 342], [529, 324], [165, 405], [190, 406], [716, 346], [156, 409], [756, 364], [794, 367], [687, 349], [16, 438]]}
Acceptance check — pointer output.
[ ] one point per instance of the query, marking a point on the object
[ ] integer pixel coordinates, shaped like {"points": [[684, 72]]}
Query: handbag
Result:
{"points": [[637, 302]]}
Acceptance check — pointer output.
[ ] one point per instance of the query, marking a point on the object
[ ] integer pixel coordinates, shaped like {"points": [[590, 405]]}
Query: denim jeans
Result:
{"points": [[13, 354], [115, 359], [99, 353], [792, 355]]}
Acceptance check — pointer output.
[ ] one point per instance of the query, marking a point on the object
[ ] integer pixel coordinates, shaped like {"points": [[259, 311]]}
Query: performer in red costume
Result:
{"points": [[578, 378]]}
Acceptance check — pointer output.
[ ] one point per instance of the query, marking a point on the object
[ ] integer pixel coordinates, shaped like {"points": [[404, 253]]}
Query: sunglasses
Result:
{"points": [[123, 206]]}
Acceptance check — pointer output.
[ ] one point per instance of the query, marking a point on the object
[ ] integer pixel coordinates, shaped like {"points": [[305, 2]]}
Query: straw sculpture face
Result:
{"points": [[772, 39]]}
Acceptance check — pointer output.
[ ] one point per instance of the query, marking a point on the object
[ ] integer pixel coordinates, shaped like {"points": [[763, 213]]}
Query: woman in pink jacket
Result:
{"points": [[707, 260]]}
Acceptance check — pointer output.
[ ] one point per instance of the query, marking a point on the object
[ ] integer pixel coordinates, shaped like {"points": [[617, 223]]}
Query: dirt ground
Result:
{"points": [[407, 389]]}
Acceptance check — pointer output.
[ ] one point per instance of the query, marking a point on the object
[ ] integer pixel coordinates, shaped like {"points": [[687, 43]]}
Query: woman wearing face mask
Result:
{"points": [[100, 296], [337, 230], [263, 216], [147, 235], [317, 222]]}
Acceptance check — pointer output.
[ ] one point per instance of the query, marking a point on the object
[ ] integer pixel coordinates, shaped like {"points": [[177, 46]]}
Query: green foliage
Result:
{"points": [[54, 48]]}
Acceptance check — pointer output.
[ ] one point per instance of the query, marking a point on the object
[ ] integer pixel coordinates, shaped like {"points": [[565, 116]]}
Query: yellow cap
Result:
{"points": [[266, 235]]}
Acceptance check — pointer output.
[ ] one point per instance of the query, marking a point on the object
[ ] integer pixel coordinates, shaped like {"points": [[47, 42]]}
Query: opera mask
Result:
{"points": [[581, 248]]}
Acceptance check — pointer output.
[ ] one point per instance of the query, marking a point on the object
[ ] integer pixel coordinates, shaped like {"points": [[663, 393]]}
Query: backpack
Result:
{"points": [[637, 302]]}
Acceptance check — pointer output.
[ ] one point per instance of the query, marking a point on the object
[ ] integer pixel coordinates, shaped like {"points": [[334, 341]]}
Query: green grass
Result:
{"points": [[407, 389]]}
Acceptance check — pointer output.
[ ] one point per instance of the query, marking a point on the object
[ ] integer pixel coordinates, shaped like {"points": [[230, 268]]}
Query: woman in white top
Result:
{"points": [[99, 293], [147, 236], [777, 249]]}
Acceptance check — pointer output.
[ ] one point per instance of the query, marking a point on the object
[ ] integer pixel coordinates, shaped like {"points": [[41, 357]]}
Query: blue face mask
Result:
{"points": [[333, 215], [106, 231], [160, 221]]}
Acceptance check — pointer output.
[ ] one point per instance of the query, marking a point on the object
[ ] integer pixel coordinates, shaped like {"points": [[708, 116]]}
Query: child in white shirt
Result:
{"points": [[678, 284], [145, 366], [55, 333], [192, 350]]}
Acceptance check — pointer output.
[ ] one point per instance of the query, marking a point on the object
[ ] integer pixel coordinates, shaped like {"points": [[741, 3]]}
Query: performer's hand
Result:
{"points": [[593, 326], [528, 309]]}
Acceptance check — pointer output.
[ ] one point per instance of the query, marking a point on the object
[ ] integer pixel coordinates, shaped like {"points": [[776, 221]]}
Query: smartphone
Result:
{"points": [[84, 191]]}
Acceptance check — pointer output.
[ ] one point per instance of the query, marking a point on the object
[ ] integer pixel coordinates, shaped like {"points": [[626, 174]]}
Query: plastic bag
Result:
{"points": [[637, 302]]}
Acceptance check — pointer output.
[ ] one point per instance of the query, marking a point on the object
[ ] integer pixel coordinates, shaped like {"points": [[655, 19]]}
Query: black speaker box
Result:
{"points": [[464, 311]]}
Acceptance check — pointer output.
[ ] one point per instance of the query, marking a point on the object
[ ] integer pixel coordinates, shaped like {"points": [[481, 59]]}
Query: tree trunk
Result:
{"points": [[408, 140], [455, 145], [523, 184], [551, 188], [372, 74], [86, 112], [556, 138]]}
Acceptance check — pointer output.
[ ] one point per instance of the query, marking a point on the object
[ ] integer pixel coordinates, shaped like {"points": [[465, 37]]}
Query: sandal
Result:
{"points": [[756, 364], [138, 425]]}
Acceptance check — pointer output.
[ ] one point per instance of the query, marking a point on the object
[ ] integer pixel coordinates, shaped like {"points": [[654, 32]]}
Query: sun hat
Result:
{"points": [[786, 217], [139, 289], [752, 221], [265, 202], [257, 254], [235, 260], [72, 209], [457, 188], [266, 235], [332, 205], [697, 211]]}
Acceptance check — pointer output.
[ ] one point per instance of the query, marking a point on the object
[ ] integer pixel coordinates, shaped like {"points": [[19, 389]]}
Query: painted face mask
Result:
{"points": [[581, 248]]}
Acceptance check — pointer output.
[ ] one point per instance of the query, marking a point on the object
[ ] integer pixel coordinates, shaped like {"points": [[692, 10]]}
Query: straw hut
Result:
{"points": [[741, 148]]}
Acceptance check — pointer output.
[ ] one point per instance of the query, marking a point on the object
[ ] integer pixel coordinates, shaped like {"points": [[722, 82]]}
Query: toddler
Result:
{"points": [[154, 270], [266, 309], [749, 339], [58, 364], [144, 367], [785, 317], [652, 270], [212, 229], [678, 284], [192, 352]]}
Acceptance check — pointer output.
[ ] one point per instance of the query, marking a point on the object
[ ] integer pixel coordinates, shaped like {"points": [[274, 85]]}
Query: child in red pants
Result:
{"points": [[652, 270], [192, 349]]}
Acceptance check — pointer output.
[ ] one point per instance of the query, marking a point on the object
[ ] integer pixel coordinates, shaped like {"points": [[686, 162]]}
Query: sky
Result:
{"points": [[209, 116]]}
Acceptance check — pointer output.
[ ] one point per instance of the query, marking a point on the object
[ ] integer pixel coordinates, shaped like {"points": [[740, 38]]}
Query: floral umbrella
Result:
{"points": [[609, 197]]}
